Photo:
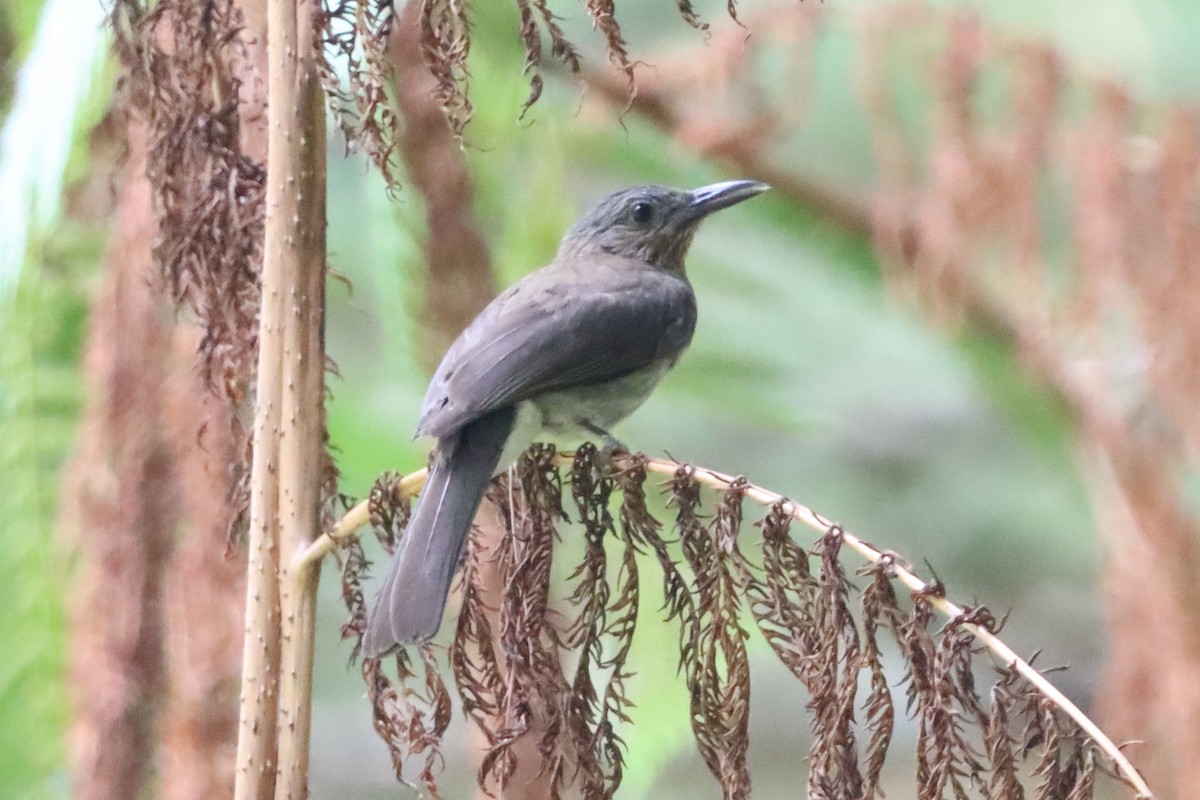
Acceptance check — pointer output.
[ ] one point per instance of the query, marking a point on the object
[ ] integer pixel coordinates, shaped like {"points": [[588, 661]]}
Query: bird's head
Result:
{"points": [[654, 224]]}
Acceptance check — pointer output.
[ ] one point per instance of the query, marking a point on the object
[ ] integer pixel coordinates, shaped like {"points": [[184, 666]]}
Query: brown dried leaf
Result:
{"points": [[190, 76], [411, 724], [718, 671], [880, 609]]}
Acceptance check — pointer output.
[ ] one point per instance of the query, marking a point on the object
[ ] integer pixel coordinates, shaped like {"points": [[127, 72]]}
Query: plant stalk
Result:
{"points": [[289, 458], [295, 236], [259, 708]]}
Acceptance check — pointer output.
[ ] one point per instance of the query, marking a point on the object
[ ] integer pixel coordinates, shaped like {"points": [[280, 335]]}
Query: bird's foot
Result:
{"points": [[610, 450], [611, 453]]}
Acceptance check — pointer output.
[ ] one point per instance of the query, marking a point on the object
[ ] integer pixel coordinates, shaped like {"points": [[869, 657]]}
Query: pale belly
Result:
{"points": [[565, 417]]}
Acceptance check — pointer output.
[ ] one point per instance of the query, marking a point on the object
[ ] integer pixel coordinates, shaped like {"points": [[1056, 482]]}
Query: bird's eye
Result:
{"points": [[642, 212]]}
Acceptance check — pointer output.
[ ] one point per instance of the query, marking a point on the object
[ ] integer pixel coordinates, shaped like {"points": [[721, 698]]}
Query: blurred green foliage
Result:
{"points": [[17, 24], [42, 322], [40, 400]]}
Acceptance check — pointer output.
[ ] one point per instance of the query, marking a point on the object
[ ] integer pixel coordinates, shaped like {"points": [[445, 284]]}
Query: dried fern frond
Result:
{"points": [[508, 661], [717, 668], [410, 722], [190, 72], [880, 610], [358, 39]]}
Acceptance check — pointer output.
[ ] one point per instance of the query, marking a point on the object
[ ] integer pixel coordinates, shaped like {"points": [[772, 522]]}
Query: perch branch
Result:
{"points": [[409, 485]]}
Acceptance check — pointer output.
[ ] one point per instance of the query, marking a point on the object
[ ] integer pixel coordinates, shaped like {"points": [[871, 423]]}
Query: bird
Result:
{"points": [[570, 349]]}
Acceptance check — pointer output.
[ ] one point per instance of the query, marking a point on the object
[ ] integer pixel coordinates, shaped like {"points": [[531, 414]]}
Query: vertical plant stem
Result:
{"points": [[295, 238], [287, 422], [255, 775]]}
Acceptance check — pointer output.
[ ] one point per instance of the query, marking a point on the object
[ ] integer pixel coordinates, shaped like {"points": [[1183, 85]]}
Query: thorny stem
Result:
{"points": [[255, 773], [287, 471], [295, 236], [409, 485]]}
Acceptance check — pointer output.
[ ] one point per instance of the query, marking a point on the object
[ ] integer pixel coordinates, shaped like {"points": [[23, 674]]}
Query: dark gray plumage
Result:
{"points": [[574, 347]]}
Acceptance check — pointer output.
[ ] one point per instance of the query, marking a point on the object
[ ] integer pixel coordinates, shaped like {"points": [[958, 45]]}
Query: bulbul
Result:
{"points": [[570, 349]]}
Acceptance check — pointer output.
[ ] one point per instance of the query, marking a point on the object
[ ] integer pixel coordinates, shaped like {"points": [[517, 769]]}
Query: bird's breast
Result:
{"points": [[599, 405]]}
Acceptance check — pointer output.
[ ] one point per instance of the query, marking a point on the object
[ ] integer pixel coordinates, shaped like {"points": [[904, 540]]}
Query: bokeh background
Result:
{"points": [[825, 366]]}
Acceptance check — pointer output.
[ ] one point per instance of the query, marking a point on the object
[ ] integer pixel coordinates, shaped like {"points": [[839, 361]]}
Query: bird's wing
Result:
{"points": [[560, 327]]}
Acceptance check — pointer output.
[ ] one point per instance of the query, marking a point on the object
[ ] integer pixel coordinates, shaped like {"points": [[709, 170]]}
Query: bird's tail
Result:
{"points": [[409, 606]]}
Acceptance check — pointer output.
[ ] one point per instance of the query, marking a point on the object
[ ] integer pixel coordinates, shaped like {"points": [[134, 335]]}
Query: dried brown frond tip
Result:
{"points": [[358, 34], [354, 567], [189, 71], [549, 684], [388, 511], [189, 74], [411, 722]]}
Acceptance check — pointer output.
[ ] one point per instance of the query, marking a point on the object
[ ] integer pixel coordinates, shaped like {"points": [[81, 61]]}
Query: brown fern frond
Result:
{"points": [[952, 758], [536, 15], [354, 566], [1066, 764], [190, 76], [605, 624], [388, 511], [591, 491], [531, 39], [1085, 778], [880, 610], [731, 10], [643, 529], [918, 648], [536, 690], [473, 657], [603, 14], [410, 724], [190, 72], [998, 739], [834, 692], [688, 11], [446, 43], [718, 671], [960, 661], [513, 684], [784, 603], [356, 37], [787, 607]]}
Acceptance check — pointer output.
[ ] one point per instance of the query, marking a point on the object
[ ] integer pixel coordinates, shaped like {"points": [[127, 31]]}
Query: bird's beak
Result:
{"points": [[716, 196]]}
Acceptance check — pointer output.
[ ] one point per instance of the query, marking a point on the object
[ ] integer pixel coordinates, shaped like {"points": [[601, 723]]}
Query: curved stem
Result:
{"points": [[406, 485]]}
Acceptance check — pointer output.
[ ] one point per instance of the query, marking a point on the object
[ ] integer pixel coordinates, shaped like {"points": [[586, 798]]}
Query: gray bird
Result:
{"points": [[572, 348]]}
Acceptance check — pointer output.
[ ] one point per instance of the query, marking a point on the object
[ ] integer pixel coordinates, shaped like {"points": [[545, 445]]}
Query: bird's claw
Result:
{"points": [[611, 451]]}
